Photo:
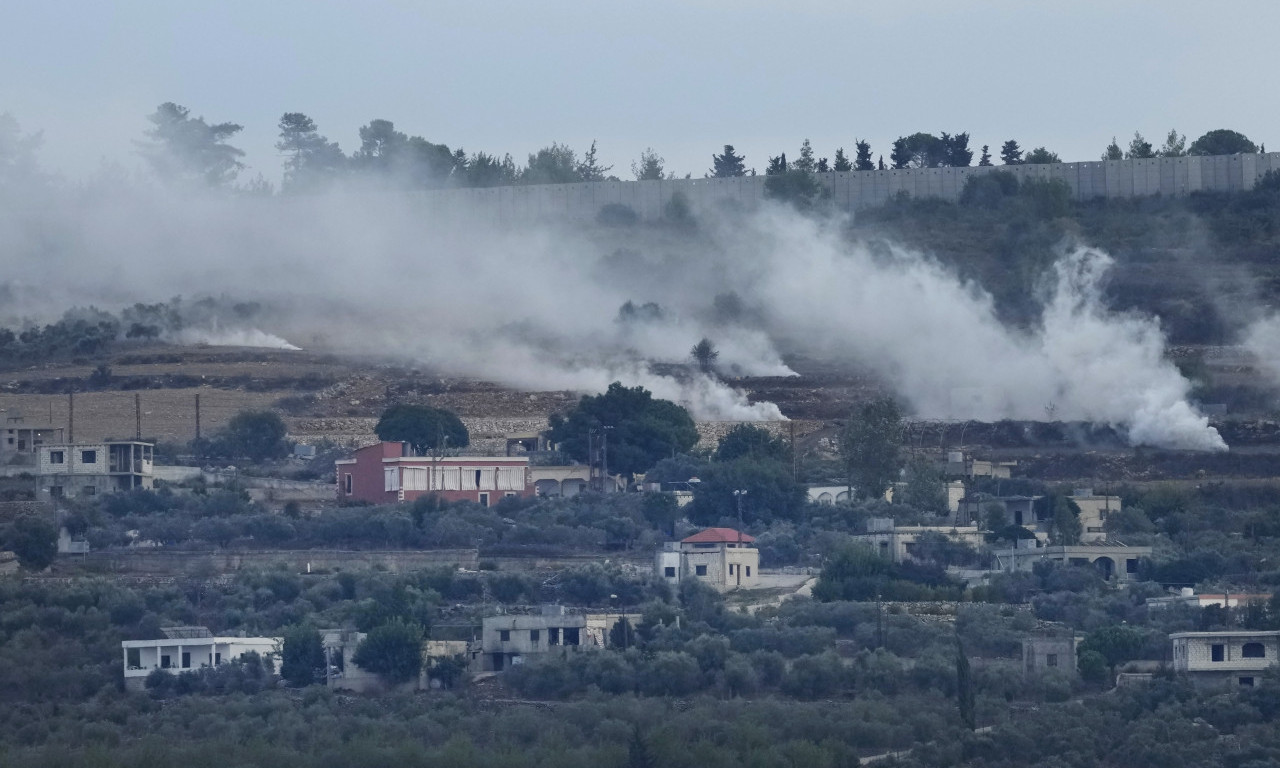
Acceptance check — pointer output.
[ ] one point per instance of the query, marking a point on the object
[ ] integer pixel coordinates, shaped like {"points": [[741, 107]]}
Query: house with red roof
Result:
{"points": [[722, 558]]}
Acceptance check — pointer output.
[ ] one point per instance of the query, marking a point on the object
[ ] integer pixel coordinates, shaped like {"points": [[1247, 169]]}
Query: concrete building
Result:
{"points": [[20, 441], [1188, 597], [76, 470], [569, 480], [721, 558], [185, 649], [898, 542], [960, 464], [1236, 657], [1113, 560], [828, 494], [384, 473], [506, 641], [344, 674], [1033, 513], [1045, 653]]}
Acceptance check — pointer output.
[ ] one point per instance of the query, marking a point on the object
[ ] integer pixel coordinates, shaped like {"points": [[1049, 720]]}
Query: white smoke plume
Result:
{"points": [[543, 307], [1262, 340]]}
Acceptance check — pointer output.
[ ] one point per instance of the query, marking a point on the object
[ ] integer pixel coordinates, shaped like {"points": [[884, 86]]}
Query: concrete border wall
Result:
{"points": [[853, 190]]}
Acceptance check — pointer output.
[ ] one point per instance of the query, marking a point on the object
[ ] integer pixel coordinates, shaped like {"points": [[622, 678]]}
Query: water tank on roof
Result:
{"points": [[1188, 592]]}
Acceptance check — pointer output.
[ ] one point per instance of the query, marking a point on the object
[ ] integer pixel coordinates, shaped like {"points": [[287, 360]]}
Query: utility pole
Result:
{"points": [[197, 416], [137, 416], [795, 454], [604, 458], [71, 417]]}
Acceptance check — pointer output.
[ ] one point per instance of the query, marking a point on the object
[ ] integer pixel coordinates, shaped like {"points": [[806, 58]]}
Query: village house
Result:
{"points": [[21, 441], [1236, 657], [1032, 512], [899, 542], [722, 558], [185, 649], [960, 464], [1187, 597], [77, 470], [1112, 559], [507, 641], [388, 472], [1044, 653]]}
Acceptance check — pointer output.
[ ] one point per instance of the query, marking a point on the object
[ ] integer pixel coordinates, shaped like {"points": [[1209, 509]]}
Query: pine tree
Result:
{"points": [[964, 688], [1113, 151], [777, 165], [1175, 145], [1139, 148], [956, 148], [881, 163], [638, 754], [901, 153], [823, 166], [806, 161], [1011, 153], [863, 161], [590, 169], [729, 164], [841, 163], [985, 160]]}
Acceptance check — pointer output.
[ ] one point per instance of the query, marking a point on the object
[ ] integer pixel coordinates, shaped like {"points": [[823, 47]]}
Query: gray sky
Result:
{"points": [[681, 77]]}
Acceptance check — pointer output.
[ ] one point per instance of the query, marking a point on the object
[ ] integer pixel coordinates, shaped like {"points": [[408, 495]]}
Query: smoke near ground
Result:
{"points": [[556, 307]]}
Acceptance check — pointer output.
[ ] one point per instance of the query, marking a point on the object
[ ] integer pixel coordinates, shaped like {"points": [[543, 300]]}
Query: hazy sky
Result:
{"points": [[683, 78]]}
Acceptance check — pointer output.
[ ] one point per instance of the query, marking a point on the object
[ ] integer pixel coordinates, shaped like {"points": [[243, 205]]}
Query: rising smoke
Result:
{"points": [[538, 307]]}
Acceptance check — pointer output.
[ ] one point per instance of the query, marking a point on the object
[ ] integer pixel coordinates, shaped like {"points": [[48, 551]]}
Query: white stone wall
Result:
{"points": [[1195, 654]]}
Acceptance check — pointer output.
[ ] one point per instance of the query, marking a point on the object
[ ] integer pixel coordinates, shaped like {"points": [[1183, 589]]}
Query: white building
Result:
{"points": [[71, 470], [1234, 656], [1188, 597], [722, 558], [898, 542], [1112, 560], [185, 649], [507, 641]]}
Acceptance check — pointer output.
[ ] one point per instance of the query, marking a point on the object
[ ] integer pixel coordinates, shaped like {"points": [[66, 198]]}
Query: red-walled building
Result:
{"points": [[383, 474]]}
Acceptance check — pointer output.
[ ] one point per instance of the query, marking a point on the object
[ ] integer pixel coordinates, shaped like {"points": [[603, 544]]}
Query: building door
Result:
{"points": [[497, 662]]}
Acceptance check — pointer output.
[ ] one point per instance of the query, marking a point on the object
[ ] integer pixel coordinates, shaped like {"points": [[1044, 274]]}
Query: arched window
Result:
{"points": [[1253, 651]]}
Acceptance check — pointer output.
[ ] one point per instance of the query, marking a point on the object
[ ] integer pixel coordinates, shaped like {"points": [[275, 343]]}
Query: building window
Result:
{"points": [[1051, 659], [535, 636], [164, 661], [1253, 651], [55, 491], [347, 484], [1246, 682], [1216, 652], [731, 567], [217, 659], [669, 572], [89, 490], [700, 570], [1131, 565], [571, 636], [134, 658], [748, 570], [57, 457], [484, 499], [553, 636], [504, 635], [88, 457], [186, 660], [509, 495]]}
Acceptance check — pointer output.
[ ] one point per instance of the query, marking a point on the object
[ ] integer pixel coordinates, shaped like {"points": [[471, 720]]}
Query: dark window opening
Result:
{"points": [[700, 570], [731, 569], [164, 661], [88, 457], [484, 499], [56, 457], [535, 635], [217, 659], [748, 570], [553, 636], [1217, 652], [669, 572], [89, 490], [1051, 660], [571, 636], [1246, 682], [1131, 565], [348, 479], [186, 660], [55, 491], [1253, 651], [504, 635], [134, 658], [477, 478]]}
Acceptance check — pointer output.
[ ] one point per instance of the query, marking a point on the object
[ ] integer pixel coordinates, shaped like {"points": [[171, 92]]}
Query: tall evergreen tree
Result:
{"points": [[823, 165], [985, 160], [649, 167], [841, 163], [964, 688], [958, 154], [863, 160], [1175, 145], [185, 148], [1113, 151], [901, 153], [728, 164], [590, 168], [777, 165], [1011, 153], [1139, 148], [311, 158], [806, 160]]}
